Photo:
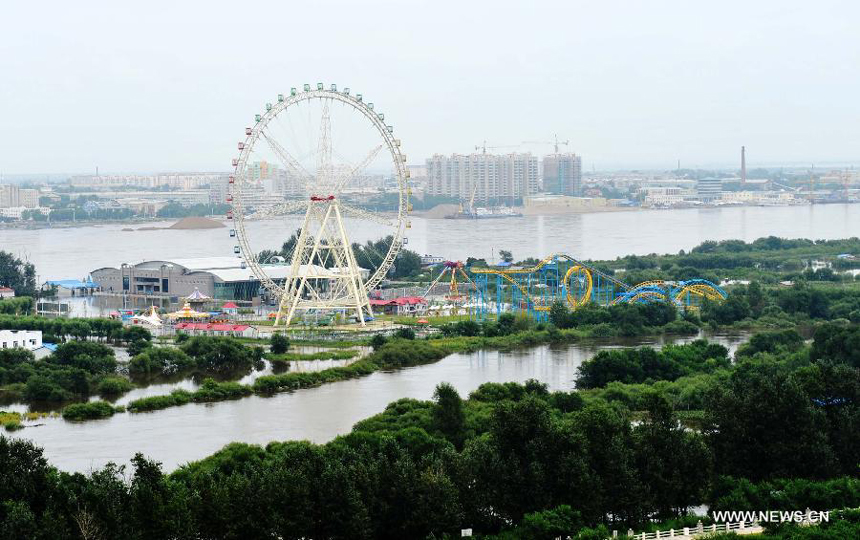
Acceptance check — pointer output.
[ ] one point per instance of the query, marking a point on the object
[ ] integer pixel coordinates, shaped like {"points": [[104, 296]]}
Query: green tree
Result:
{"points": [[559, 315], [674, 465], [279, 343], [448, 416], [17, 275], [377, 341], [762, 424], [221, 354], [160, 360], [405, 333], [837, 343], [89, 356]]}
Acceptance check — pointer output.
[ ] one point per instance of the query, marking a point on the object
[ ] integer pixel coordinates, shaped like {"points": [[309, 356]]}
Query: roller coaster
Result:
{"points": [[560, 277]]}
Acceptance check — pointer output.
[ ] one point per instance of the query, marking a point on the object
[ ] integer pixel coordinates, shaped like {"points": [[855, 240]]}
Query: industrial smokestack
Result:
{"points": [[743, 165]]}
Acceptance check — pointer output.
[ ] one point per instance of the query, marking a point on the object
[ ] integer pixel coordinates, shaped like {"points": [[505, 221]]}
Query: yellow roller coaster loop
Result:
{"points": [[589, 284], [705, 291]]}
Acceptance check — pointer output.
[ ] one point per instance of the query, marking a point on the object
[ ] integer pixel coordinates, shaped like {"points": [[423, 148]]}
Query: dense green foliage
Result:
{"points": [[843, 525], [213, 355], [371, 255], [626, 319], [279, 343], [113, 386], [784, 494], [524, 455], [210, 390], [646, 364], [18, 305], [18, 275], [513, 460], [72, 372], [160, 361], [88, 411], [837, 343], [89, 356], [221, 354], [775, 342], [768, 260]]}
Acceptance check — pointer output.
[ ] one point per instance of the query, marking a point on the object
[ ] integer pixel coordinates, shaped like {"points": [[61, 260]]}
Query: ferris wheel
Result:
{"points": [[325, 186]]}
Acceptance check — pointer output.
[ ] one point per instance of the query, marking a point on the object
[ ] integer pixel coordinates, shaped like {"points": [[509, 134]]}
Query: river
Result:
{"points": [[62, 253], [180, 434]]}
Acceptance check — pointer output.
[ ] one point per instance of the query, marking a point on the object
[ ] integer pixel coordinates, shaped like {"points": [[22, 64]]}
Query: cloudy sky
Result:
{"points": [[158, 86]]}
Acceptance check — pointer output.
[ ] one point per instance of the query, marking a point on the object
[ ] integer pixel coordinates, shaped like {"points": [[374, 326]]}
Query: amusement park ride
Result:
{"points": [[560, 277], [455, 271], [323, 272]]}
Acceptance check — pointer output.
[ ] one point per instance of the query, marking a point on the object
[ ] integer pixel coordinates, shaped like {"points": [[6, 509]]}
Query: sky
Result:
{"points": [[170, 86]]}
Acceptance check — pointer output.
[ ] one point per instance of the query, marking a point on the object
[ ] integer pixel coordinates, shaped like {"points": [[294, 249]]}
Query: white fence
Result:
{"points": [[741, 527]]}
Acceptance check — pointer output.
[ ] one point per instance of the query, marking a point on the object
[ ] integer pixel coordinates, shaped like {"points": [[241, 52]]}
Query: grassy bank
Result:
{"points": [[211, 390]]}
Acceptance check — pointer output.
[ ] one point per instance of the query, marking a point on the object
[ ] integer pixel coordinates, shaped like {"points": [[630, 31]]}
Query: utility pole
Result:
{"points": [[743, 165]]}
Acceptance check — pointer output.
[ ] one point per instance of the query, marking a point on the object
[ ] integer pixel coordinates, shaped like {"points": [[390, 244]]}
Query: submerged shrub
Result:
{"points": [[88, 411]]}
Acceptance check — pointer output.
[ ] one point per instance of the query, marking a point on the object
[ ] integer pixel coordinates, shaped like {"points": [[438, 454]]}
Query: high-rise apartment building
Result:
{"points": [[562, 174], [14, 197], [493, 178]]}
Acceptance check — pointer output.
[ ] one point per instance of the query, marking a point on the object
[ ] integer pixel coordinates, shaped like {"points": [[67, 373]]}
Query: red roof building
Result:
{"points": [[405, 305], [216, 329]]}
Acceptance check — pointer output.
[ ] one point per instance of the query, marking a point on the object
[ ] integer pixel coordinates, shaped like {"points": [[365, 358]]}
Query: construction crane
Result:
{"points": [[483, 147], [471, 211], [553, 143]]}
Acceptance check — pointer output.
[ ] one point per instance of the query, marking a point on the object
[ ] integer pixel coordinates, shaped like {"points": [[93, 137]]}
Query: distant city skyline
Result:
{"points": [[170, 87]]}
